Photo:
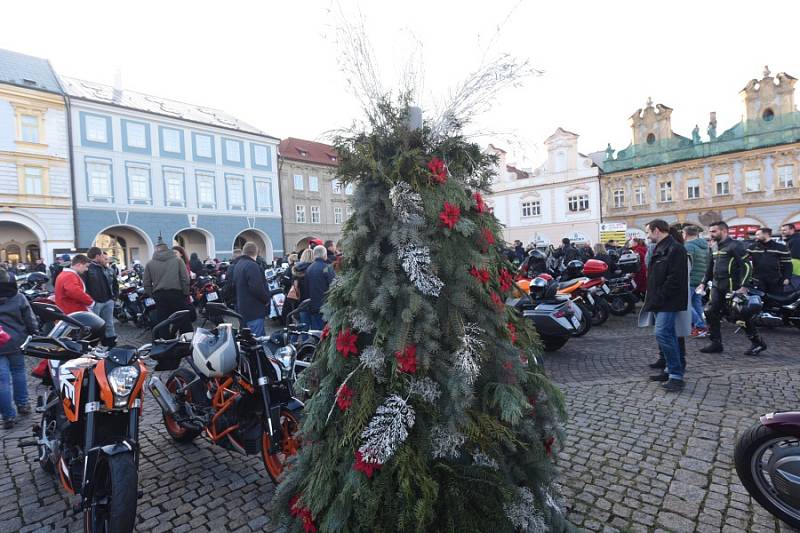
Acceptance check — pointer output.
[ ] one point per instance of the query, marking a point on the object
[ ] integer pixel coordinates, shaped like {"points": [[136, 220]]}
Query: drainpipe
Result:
{"points": [[280, 199], [72, 171]]}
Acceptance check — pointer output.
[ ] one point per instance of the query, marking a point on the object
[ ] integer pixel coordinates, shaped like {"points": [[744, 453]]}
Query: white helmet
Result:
{"points": [[215, 352]]}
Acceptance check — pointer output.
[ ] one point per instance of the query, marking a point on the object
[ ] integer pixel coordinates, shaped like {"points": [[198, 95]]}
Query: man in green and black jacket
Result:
{"points": [[772, 263], [731, 270]]}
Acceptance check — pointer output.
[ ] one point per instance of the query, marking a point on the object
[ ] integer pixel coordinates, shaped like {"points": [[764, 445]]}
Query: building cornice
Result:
{"points": [[21, 157], [23, 95]]}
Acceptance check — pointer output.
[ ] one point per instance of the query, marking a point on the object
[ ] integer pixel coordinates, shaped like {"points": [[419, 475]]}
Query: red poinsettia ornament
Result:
{"points": [[506, 280], [304, 513], [346, 343], [512, 332], [344, 397], [498, 301], [438, 170], [326, 331], [480, 205], [407, 359], [548, 445], [362, 466], [450, 215], [481, 275]]}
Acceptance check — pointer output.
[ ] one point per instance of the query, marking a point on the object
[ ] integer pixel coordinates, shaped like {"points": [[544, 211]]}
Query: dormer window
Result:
{"points": [[303, 153], [651, 139], [768, 115]]}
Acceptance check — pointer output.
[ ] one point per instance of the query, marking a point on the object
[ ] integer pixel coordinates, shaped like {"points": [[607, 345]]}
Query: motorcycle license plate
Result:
{"points": [[590, 299], [132, 297], [606, 289], [212, 297], [149, 302]]}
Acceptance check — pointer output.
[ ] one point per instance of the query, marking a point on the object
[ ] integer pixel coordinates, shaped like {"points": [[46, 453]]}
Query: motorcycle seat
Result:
{"points": [[571, 285], [783, 299]]}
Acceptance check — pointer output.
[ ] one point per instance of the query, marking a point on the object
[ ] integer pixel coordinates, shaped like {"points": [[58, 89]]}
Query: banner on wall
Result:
{"points": [[613, 231]]}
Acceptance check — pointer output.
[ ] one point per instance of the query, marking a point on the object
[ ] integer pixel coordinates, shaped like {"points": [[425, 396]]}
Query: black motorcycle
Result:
{"points": [[556, 318], [779, 309]]}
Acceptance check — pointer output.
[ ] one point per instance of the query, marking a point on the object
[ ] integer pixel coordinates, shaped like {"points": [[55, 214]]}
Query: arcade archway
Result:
{"points": [[18, 243], [261, 239], [195, 240], [125, 243]]}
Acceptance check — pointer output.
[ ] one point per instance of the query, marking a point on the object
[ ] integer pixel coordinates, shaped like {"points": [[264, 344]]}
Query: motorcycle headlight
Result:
{"points": [[285, 356], [122, 379]]}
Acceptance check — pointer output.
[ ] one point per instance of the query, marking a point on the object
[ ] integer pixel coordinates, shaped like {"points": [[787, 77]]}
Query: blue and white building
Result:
{"points": [[146, 167]]}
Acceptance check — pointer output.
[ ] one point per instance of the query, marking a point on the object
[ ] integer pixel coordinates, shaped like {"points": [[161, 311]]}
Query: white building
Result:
{"points": [[36, 217], [560, 198]]}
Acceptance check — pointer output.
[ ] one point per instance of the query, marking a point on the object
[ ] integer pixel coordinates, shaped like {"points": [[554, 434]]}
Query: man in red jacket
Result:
{"points": [[71, 293]]}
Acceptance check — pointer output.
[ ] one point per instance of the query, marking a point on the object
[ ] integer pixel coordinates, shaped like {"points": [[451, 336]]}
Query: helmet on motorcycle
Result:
{"points": [[538, 287], [94, 327], [37, 277], [575, 268], [743, 307], [536, 255], [215, 353]]}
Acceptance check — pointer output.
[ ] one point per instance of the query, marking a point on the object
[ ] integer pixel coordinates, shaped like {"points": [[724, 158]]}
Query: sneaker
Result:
{"points": [[702, 333], [756, 348], [694, 332], [8, 423], [673, 385], [663, 376], [714, 347], [23, 410], [658, 365]]}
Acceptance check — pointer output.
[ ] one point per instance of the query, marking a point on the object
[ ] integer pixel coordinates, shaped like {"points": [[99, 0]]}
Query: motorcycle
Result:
{"points": [[767, 459], [204, 291], [275, 291], [778, 309], [89, 430], [621, 297], [238, 391], [132, 305], [555, 317]]}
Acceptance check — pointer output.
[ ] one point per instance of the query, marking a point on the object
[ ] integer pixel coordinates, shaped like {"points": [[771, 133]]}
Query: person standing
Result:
{"points": [[71, 295], [195, 265], [519, 252], [667, 296], [18, 321], [697, 249], [229, 289], [319, 277], [772, 263], [730, 270], [792, 241], [330, 248], [40, 266], [101, 285], [167, 281], [251, 290]]}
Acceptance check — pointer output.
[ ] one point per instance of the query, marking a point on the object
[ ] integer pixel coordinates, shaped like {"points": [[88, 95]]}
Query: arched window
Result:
{"points": [[32, 253]]}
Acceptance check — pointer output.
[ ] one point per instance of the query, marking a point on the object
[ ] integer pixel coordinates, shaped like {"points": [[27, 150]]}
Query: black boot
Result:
{"points": [[714, 347], [663, 376], [758, 346], [658, 365]]}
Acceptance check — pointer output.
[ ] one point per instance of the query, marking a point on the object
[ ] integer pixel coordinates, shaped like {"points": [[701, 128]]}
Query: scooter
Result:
{"points": [[555, 318]]}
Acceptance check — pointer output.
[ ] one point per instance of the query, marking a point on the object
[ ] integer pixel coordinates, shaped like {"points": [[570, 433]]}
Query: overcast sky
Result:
{"points": [[274, 64]]}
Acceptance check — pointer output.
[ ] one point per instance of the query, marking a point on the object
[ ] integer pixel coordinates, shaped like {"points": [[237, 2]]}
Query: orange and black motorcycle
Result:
{"points": [[89, 432]]}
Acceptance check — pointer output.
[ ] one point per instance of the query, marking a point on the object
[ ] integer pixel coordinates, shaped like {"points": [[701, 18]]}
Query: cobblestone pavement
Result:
{"points": [[636, 458], [640, 459]]}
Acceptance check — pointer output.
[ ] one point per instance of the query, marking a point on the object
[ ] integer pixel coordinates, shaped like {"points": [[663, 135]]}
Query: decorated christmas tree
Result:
{"points": [[430, 411]]}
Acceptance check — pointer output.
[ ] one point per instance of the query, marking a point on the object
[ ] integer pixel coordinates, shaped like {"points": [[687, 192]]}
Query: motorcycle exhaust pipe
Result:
{"points": [[163, 396]]}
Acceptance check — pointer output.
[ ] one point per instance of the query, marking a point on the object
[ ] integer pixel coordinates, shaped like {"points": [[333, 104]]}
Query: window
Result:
{"points": [[336, 186], [300, 214], [349, 211], [203, 147], [313, 184], [786, 176], [30, 128], [138, 183], [96, 129], [693, 188], [263, 194], [338, 217], [235, 187], [206, 193], [619, 198], [98, 174], [578, 203], [348, 189], [260, 156], [315, 214], [639, 195], [531, 208], [173, 183], [171, 142], [651, 139], [298, 182], [665, 191], [768, 115], [135, 136], [34, 183], [232, 152], [723, 185], [752, 181]]}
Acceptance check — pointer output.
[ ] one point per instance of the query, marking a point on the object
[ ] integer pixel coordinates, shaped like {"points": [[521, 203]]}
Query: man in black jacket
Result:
{"points": [[319, 277], [101, 285], [731, 270], [251, 290], [667, 295], [229, 289], [772, 263], [792, 241]]}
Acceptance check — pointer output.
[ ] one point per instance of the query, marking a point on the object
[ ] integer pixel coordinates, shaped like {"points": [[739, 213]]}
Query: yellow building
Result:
{"points": [[746, 176], [36, 218]]}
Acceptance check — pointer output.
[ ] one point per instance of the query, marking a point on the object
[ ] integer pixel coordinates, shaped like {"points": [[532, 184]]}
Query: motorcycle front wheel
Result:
{"points": [[113, 505], [764, 456], [620, 305], [586, 321], [601, 312], [290, 445]]}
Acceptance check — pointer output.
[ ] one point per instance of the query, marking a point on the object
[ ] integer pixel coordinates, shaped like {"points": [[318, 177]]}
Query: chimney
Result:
{"points": [[117, 85]]}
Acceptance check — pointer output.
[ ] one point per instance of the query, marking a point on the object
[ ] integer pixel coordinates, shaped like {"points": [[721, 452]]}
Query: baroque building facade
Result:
{"points": [[315, 203], [746, 176], [147, 168], [558, 199], [36, 216]]}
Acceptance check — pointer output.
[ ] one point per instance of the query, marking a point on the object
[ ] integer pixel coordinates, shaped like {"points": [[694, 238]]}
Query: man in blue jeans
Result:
{"points": [[698, 251], [667, 289], [18, 322], [319, 277], [251, 290]]}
